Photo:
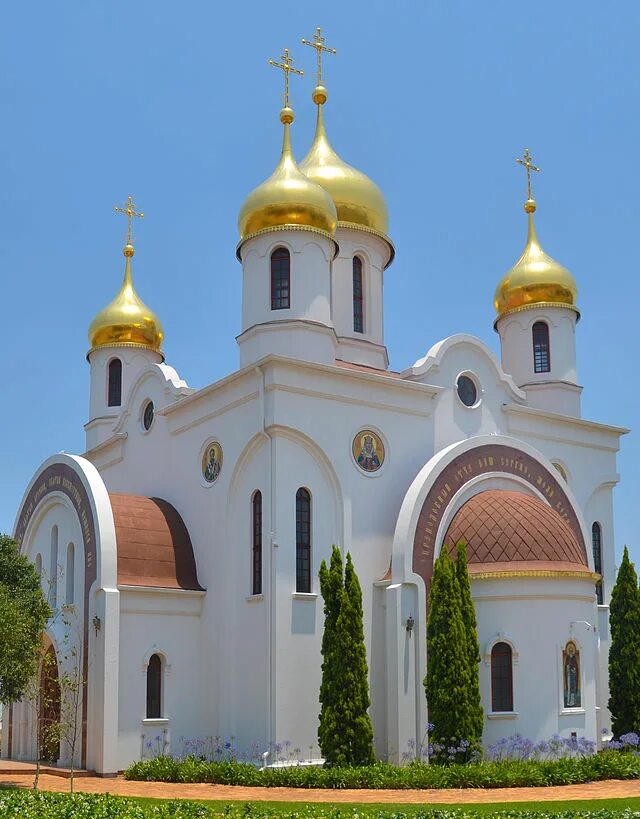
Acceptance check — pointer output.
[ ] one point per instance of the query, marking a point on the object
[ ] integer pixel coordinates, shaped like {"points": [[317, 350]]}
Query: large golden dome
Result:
{"points": [[536, 279], [358, 200], [127, 320], [287, 198]]}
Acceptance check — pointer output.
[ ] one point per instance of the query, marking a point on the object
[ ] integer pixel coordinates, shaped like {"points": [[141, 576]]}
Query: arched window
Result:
{"points": [[358, 296], [114, 385], [71, 567], [303, 541], [541, 351], [53, 569], [501, 677], [256, 547], [280, 279], [154, 687], [596, 544]]}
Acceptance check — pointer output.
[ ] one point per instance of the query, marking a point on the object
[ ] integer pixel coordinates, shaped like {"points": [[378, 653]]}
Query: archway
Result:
{"points": [[49, 708]]}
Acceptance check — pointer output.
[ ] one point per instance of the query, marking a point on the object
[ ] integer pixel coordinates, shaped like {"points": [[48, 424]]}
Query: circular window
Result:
{"points": [[147, 415], [467, 390]]}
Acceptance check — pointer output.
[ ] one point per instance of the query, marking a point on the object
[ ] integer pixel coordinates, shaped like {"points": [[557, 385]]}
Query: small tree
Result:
{"points": [[345, 733], [476, 714], [71, 686], [447, 680], [624, 653], [23, 615]]}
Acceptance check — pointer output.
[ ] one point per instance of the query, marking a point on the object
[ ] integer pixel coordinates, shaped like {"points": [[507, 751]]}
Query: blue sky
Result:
{"points": [[175, 103]]}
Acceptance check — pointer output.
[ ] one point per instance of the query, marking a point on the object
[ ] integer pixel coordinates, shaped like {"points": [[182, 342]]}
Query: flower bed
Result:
{"points": [[39, 805], [506, 773]]}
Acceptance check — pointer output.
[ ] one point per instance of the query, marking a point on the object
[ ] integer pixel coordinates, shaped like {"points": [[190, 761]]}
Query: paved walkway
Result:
{"points": [[91, 784]]}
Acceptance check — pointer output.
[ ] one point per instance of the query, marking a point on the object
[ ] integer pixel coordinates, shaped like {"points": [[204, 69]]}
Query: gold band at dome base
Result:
{"points": [[373, 232], [557, 573], [535, 306], [121, 344], [279, 228]]}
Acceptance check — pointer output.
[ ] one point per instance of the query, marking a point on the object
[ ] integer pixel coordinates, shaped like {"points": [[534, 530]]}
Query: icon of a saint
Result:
{"points": [[571, 676], [213, 465], [368, 458]]}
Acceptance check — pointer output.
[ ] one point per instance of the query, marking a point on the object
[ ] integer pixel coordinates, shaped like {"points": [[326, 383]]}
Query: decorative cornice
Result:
{"points": [[557, 573], [280, 228], [121, 344], [535, 306], [373, 232]]}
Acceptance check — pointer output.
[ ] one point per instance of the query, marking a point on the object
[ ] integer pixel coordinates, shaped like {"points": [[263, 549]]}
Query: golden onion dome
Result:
{"points": [[127, 321], [536, 279], [287, 197], [358, 200]]}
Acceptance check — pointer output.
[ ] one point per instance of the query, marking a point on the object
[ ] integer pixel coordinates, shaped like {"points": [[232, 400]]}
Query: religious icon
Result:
{"points": [[212, 462], [571, 675], [368, 451]]}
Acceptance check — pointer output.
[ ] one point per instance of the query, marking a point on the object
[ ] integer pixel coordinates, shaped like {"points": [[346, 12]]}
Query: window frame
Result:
{"points": [[280, 278], [156, 697], [501, 698], [114, 383], [358, 297], [596, 550], [256, 543], [303, 541], [541, 347]]}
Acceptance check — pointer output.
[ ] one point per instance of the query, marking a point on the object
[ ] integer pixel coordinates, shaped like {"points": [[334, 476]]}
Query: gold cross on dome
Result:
{"points": [[130, 211], [287, 67], [319, 46], [527, 162]]}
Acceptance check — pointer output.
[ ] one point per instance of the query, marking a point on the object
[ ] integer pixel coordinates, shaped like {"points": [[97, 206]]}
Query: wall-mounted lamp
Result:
{"points": [[97, 624], [410, 624]]}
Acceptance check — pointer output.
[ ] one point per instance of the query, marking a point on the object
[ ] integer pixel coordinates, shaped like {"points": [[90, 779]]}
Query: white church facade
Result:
{"points": [[189, 534]]}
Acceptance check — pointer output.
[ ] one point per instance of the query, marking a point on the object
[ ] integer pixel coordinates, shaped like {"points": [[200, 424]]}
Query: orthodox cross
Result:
{"points": [[287, 67], [130, 211], [527, 162], [319, 47]]}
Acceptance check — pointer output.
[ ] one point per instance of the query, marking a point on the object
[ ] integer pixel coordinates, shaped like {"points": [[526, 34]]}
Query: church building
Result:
{"points": [[187, 538]]}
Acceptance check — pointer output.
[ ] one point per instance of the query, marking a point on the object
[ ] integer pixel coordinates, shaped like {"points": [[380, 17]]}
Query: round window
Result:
{"points": [[147, 415], [467, 391]]}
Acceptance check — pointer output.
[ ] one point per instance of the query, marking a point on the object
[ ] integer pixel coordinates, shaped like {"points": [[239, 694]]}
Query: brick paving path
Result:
{"points": [[91, 784]]}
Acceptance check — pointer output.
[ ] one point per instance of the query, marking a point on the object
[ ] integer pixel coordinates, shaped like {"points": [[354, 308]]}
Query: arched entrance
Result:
{"points": [[49, 708]]}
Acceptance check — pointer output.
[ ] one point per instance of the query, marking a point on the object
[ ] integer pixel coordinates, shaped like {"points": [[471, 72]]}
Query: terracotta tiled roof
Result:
{"points": [[506, 530], [154, 547]]}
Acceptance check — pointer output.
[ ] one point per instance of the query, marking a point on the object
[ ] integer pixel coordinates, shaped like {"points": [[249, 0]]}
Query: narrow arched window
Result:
{"points": [[541, 351], [70, 573], [256, 545], [358, 296], [501, 677], [280, 279], [114, 383], [303, 541], [38, 565], [154, 687], [596, 544], [53, 569]]}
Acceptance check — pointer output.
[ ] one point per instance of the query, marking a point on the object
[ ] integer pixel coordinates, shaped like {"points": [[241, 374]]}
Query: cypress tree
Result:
{"points": [[624, 653], [345, 733], [476, 714], [447, 680]]}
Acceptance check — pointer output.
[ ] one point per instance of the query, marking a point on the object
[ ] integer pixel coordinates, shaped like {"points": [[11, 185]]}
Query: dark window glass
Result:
{"points": [[303, 541], [114, 387], [467, 391], [358, 296], [147, 416], [501, 678], [541, 352], [280, 279], [154, 687], [256, 551], [596, 543]]}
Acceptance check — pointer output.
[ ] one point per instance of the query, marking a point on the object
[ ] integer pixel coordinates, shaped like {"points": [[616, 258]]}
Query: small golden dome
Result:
{"points": [[535, 279], [127, 320], [287, 197], [357, 198]]}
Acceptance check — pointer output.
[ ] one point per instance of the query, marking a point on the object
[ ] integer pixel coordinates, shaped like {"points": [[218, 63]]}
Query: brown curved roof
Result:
{"points": [[506, 531], [153, 544]]}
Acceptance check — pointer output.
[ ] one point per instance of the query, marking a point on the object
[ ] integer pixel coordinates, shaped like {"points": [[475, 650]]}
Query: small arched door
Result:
{"points": [[49, 708]]}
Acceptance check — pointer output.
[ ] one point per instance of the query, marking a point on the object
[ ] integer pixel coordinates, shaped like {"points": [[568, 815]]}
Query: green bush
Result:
{"points": [[502, 774], [42, 805]]}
